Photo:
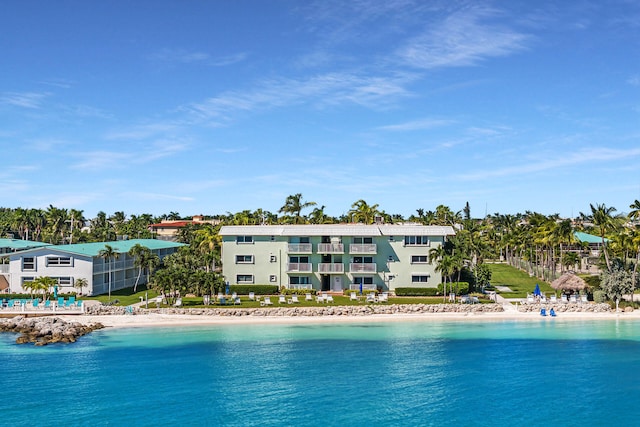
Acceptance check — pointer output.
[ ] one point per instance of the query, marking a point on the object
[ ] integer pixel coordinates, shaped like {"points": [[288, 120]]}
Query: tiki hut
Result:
{"points": [[569, 282]]}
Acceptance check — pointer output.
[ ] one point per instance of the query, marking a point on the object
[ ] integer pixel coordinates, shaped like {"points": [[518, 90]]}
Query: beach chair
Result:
{"points": [[308, 297], [530, 299], [35, 302], [234, 296], [475, 300], [294, 299], [552, 313], [252, 296], [266, 301], [237, 301], [371, 297], [328, 298], [383, 297], [11, 304], [573, 299], [543, 312], [554, 299], [47, 304], [583, 298], [353, 297], [564, 299], [61, 302], [178, 302], [282, 299]]}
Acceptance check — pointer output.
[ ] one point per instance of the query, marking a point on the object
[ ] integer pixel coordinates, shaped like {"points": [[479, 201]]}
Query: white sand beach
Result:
{"points": [[164, 320]]}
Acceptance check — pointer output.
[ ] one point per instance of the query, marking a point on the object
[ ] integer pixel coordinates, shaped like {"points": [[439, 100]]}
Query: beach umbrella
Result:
{"points": [[569, 282], [55, 291], [361, 288], [536, 291]]}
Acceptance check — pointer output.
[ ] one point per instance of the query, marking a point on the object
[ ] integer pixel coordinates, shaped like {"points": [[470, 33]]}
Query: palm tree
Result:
{"points": [[109, 254], [80, 283], [293, 206], [362, 212], [140, 256], [43, 283], [209, 243], [604, 221]]}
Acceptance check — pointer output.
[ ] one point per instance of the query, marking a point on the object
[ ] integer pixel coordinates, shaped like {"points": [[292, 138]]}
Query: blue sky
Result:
{"points": [[206, 107]]}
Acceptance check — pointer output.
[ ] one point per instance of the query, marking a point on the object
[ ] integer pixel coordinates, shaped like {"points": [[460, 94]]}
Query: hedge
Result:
{"points": [[256, 289], [458, 288], [416, 292]]}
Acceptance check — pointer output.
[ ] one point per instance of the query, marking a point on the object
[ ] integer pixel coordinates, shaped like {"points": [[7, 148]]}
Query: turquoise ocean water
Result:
{"points": [[375, 374]]}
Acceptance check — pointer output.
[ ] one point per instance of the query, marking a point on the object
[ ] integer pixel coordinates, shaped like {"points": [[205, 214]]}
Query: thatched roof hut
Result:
{"points": [[570, 282]]}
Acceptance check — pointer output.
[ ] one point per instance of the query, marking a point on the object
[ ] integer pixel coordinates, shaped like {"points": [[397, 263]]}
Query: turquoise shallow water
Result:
{"points": [[374, 374]]}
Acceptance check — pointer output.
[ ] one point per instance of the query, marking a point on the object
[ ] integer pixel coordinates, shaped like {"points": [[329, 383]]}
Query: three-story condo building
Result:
{"points": [[332, 257]]}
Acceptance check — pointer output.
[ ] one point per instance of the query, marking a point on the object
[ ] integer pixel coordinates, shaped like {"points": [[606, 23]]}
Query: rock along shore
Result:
{"points": [[46, 330]]}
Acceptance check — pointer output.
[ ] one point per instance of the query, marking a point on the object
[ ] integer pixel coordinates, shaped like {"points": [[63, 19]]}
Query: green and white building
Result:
{"points": [[332, 257], [67, 263]]}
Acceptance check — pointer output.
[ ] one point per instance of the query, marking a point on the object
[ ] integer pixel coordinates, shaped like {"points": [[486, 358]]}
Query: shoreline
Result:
{"points": [[151, 320]]}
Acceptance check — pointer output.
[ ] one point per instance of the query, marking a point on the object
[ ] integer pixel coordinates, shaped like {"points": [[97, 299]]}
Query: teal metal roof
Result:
{"points": [[589, 238], [19, 245], [120, 246]]}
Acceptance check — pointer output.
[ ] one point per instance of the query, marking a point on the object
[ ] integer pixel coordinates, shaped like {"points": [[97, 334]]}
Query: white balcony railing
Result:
{"points": [[330, 248], [362, 267], [368, 248], [331, 267], [300, 248], [365, 287], [299, 267]]}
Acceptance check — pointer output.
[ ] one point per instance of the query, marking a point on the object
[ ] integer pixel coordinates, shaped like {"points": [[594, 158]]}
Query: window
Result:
{"points": [[272, 258], [27, 280], [244, 278], [298, 259], [363, 280], [244, 259], [419, 278], [363, 260], [363, 240], [273, 278], [28, 263], [64, 281], [416, 240], [58, 260], [299, 280], [419, 259], [244, 239]]}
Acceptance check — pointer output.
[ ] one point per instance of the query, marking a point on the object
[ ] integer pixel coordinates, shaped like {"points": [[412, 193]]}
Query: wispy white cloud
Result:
{"points": [[101, 160], [598, 154], [31, 100], [464, 38], [143, 131], [190, 57], [423, 124]]}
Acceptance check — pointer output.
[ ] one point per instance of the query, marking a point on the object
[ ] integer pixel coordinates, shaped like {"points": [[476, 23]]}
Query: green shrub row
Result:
{"points": [[256, 289], [417, 292], [459, 288], [286, 291]]}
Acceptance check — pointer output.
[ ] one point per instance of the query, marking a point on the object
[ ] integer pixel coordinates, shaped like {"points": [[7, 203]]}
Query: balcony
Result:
{"points": [[299, 267], [300, 248], [330, 248], [369, 267], [368, 248], [331, 267]]}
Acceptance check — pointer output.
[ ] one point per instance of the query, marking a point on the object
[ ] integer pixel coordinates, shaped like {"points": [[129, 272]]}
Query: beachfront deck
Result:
{"points": [[35, 307]]}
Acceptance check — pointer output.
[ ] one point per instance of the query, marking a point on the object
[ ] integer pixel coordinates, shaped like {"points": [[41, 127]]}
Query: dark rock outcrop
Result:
{"points": [[46, 330]]}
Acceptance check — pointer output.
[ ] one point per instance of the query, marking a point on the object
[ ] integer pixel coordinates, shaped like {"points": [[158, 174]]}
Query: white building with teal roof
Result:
{"points": [[67, 263], [332, 257]]}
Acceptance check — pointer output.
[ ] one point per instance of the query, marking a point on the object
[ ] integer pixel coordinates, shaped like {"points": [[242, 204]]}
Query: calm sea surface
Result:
{"points": [[375, 374]]}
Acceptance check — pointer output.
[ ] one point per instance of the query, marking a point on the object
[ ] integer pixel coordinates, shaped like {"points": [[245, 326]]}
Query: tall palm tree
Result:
{"points": [[604, 221], [362, 212], [140, 254], [294, 205], [109, 254]]}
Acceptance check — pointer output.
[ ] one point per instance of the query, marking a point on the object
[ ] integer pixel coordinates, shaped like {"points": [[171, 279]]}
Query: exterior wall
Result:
{"points": [[80, 266], [269, 260]]}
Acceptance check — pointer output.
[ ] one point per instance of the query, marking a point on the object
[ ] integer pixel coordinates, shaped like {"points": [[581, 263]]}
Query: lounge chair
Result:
{"points": [[328, 298], [266, 301], [294, 299], [371, 297], [564, 298], [282, 299], [47, 304], [178, 302], [552, 312], [475, 300], [543, 312], [573, 299], [237, 301], [383, 297], [530, 299], [252, 296], [353, 297], [61, 302], [234, 296], [11, 303], [583, 298], [554, 299], [308, 297], [464, 299]]}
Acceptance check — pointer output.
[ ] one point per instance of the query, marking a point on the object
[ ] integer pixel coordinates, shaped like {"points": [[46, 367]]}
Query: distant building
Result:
{"points": [[67, 263], [168, 229], [332, 257]]}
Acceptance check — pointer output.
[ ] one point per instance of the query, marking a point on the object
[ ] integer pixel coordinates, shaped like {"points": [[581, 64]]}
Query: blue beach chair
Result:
{"points": [[552, 313], [543, 312]]}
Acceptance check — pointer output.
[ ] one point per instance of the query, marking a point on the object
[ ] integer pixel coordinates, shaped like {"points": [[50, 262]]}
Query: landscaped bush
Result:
{"points": [[286, 291], [416, 292], [459, 288], [256, 289], [593, 281], [599, 296]]}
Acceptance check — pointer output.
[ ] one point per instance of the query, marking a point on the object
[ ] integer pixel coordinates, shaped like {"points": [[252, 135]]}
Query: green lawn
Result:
{"points": [[518, 281], [124, 296]]}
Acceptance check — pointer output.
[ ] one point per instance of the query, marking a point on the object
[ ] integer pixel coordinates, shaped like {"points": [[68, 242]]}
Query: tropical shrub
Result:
{"points": [[256, 289], [416, 292], [459, 288], [599, 296]]}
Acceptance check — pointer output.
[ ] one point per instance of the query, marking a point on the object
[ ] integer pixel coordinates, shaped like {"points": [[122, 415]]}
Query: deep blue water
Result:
{"points": [[375, 374]]}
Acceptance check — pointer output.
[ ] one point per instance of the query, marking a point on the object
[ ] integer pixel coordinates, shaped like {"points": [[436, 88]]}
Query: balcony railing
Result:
{"points": [[365, 287], [330, 248], [299, 267], [368, 248], [331, 267], [300, 248], [369, 267]]}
